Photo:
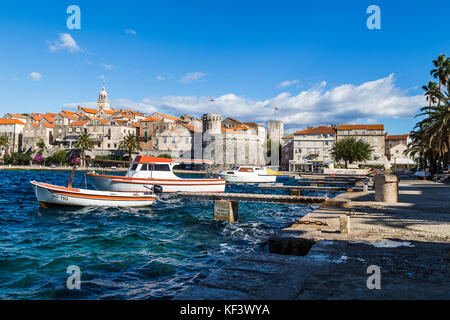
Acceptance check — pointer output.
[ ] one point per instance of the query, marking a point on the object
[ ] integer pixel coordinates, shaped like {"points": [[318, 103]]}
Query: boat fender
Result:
{"points": [[157, 189]]}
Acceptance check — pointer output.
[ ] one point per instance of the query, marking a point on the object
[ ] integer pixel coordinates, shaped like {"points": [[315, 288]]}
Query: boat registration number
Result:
{"points": [[59, 197]]}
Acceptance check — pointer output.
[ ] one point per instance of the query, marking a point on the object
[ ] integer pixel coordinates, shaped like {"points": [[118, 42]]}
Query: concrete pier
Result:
{"points": [[409, 241], [226, 210]]}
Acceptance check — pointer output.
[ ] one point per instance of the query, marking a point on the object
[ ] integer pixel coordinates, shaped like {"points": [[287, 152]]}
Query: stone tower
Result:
{"points": [[103, 102], [275, 132], [212, 123]]}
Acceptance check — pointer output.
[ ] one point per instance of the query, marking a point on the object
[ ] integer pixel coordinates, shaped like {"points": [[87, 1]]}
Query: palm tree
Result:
{"points": [[4, 143], [431, 136], [350, 149], [130, 143], [442, 70], [431, 92], [84, 143]]}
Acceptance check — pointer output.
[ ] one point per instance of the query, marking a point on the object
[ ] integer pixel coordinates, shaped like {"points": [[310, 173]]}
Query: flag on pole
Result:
{"points": [[276, 108], [211, 99]]}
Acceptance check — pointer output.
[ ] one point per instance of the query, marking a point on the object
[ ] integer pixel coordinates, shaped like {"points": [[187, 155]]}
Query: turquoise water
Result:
{"points": [[123, 253]]}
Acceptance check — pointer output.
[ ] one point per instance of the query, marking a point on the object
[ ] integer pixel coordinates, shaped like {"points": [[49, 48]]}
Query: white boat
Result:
{"points": [[147, 171], [249, 174], [49, 195]]}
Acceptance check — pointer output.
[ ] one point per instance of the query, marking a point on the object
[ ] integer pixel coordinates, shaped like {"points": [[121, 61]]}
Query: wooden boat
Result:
{"points": [[147, 171], [49, 195]]}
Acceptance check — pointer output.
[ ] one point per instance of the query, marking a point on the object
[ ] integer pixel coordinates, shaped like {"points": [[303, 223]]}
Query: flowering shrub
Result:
{"points": [[38, 158], [75, 161]]}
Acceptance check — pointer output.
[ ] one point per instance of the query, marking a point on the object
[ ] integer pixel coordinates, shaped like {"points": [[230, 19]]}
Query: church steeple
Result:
{"points": [[103, 102]]}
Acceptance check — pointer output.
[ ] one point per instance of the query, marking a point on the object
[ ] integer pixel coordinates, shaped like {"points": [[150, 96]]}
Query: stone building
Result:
{"points": [[396, 151], [232, 142], [371, 133], [12, 129], [34, 132], [178, 141], [312, 149], [287, 151]]}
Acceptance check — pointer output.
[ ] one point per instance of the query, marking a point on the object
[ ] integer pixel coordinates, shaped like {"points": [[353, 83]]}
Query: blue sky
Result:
{"points": [[318, 62]]}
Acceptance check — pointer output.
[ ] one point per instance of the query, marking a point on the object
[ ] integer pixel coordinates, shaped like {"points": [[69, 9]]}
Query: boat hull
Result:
{"points": [[49, 196], [248, 179], [121, 183]]}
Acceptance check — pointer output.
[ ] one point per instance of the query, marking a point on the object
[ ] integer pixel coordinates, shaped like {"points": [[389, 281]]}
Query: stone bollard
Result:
{"points": [[226, 210], [344, 222], [386, 188]]}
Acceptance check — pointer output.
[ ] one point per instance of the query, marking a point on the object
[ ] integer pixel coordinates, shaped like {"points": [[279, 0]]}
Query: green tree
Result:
{"points": [[17, 158], [84, 143], [130, 143], [165, 155], [41, 146], [350, 149], [61, 157], [4, 143], [430, 138]]}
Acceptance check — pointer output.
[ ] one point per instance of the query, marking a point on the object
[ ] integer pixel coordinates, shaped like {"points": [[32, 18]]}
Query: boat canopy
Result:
{"points": [[149, 159]]}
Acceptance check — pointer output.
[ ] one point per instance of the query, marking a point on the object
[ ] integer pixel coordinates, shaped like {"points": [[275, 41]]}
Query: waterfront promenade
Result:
{"points": [[409, 241]]}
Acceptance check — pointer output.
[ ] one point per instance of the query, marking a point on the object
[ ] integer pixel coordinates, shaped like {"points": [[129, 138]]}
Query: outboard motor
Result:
{"points": [[157, 189]]}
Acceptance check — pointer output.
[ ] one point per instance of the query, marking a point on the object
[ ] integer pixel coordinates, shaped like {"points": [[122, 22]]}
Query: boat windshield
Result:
{"points": [[134, 167], [235, 168]]}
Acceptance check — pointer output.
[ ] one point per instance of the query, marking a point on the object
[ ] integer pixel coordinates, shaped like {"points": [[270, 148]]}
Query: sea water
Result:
{"points": [[122, 253]]}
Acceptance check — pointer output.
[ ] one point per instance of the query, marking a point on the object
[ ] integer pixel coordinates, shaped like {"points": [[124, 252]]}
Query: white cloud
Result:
{"points": [[160, 78], [347, 103], [107, 66], [288, 83], [193, 76], [130, 31], [35, 76], [65, 42]]}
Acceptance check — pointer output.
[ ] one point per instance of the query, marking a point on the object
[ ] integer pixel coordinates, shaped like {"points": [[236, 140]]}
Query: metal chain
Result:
{"points": [[318, 223]]}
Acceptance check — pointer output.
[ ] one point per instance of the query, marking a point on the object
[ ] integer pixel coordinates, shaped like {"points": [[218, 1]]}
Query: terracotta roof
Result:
{"points": [[137, 113], [135, 125], [361, 126], [68, 112], [398, 137], [11, 121], [48, 125], [51, 114], [238, 128], [36, 117], [110, 111], [236, 121], [253, 124], [124, 115], [89, 110], [151, 119], [78, 123], [317, 130], [189, 127], [17, 115], [48, 118], [71, 116], [167, 116], [290, 136]]}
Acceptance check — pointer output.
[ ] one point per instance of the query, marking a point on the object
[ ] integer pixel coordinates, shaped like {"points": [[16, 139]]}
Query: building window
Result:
{"points": [[164, 140], [375, 139], [173, 140]]}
